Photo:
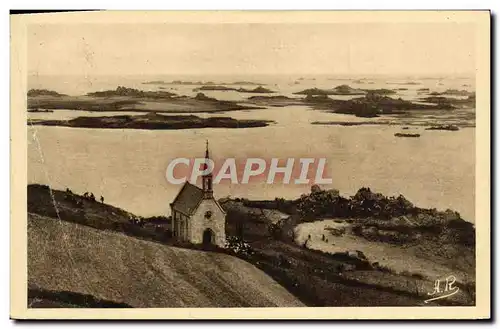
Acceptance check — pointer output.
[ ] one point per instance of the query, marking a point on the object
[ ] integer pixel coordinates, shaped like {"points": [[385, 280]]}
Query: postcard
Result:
{"points": [[250, 165]]}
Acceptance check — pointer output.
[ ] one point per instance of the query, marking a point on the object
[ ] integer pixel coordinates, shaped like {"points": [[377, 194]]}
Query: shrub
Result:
{"points": [[364, 203], [238, 246]]}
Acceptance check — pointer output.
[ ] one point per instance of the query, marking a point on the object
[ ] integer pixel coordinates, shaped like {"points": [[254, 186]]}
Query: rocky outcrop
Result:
{"points": [[43, 92], [339, 90], [444, 127], [131, 92]]}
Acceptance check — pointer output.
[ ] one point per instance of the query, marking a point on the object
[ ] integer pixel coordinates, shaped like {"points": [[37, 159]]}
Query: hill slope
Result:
{"points": [[67, 257]]}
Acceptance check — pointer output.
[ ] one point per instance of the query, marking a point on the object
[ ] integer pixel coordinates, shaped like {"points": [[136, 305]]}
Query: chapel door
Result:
{"points": [[208, 237]]}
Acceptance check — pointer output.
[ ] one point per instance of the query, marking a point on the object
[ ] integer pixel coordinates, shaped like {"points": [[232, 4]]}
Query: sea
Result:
{"points": [[127, 167]]}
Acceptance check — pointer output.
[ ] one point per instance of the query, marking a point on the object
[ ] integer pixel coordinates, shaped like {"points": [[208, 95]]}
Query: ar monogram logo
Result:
{"points": [[443, 289]]}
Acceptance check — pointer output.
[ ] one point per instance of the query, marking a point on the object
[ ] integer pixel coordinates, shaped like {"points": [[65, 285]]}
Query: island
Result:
{"points": [[131, 100], [406, 135], [456, 92], [214, 88], [373, 105], [257, 90], [44, 92], [339, 90], [360, 81], [208, 83], [409, 83], [153, 121], [131, 92], [39, 111], [350, 123], [344, 90], [276, 101], [444, 127], [383, 91], [450, 102]]}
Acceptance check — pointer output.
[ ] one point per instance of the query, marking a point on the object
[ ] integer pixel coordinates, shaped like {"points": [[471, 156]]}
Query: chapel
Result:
{"points": [[197, 217]]}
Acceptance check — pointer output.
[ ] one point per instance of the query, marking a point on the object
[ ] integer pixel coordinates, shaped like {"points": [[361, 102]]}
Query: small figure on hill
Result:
{"points": [[315, 188], [92, 197], [102, 199]]}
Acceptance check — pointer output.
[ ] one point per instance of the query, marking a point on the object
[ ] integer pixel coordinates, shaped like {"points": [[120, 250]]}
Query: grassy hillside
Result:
{"points": [[75, 208], [71, 264]]}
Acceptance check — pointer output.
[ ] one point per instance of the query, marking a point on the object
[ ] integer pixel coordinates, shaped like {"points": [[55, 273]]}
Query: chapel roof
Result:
{"points": [[188, 199]]}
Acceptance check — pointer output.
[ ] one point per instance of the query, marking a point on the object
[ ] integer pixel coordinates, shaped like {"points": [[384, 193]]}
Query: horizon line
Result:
{"points": [[438, 74]]}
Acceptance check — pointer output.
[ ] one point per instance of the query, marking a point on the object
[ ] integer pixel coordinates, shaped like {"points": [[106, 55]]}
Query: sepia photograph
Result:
{"points": [[250, 165]]}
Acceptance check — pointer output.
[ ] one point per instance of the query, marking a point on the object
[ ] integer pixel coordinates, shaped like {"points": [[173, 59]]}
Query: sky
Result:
{"points": [[246, 49]]}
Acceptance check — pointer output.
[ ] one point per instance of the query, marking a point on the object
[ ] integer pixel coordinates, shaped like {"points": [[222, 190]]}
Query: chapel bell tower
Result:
{"points": [[207, 180]]}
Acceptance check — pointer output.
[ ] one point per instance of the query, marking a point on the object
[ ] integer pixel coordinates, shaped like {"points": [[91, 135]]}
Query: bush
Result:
{"points": [[284, 229], [367, 204], [238, 246]]}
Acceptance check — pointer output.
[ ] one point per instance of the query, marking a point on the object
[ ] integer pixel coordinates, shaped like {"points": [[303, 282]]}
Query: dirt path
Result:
{"points": [[397, 258]]}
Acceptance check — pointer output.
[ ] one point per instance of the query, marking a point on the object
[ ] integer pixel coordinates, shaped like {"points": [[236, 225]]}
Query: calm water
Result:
{"points": [[128, 167]]}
